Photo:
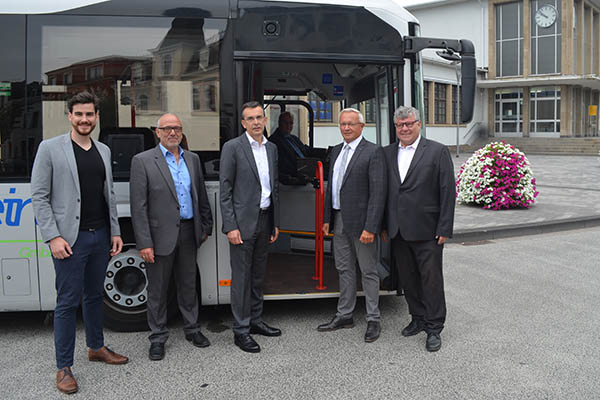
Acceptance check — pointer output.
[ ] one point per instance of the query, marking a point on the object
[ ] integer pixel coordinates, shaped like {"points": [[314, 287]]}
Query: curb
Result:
{"points": [[500, 232]]}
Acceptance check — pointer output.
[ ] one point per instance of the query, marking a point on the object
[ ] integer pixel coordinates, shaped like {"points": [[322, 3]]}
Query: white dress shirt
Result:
{"points": [[259, 151], [335, 201], [405, 156]]}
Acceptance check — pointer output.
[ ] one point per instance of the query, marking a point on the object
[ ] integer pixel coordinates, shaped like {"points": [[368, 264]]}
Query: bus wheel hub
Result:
{"points": [[126, 282]]}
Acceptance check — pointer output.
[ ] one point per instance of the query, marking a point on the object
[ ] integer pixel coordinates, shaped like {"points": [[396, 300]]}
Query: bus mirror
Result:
{"points": [[468, 81]]}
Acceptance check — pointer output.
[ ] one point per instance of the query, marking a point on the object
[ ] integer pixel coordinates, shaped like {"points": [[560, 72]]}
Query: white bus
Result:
{"points": [[199, 59]]}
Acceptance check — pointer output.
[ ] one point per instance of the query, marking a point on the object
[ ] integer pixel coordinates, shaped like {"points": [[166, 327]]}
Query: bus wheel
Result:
{"points": [[125, 293]]}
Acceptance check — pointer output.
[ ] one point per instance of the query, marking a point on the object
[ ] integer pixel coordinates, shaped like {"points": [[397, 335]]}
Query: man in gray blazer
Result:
{"points": [[250, 209], [75, 208], [354, 205], [419, 220], [171, 217]]}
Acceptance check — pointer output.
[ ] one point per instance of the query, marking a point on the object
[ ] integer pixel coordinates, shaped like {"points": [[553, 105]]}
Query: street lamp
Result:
{"points": [[455, 59]]}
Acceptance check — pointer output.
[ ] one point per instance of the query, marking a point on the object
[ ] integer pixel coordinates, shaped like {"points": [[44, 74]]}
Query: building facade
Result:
{"points": [[539, 63]]}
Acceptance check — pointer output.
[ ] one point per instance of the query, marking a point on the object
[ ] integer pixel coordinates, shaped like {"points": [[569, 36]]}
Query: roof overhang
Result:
{"points": [[591, 81]]}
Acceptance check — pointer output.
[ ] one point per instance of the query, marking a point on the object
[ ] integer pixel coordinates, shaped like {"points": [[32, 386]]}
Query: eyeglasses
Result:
{"points": [[408, 124], [257, 119], [349, 124], [167, 129]]}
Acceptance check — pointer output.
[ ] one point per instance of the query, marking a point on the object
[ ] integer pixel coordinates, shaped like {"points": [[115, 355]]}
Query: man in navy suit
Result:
{"points": [[419, 219]]}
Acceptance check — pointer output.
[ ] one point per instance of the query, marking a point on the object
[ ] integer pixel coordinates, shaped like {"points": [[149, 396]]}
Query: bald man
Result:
{"points": [[171, 218]]}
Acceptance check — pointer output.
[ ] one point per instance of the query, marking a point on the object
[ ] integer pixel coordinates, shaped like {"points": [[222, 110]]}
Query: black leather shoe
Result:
{"points": [[434, 342], [157, 351], [373, 331], [197, 339], [413, 328], [263, 329], [336, 323], [246, 343]]}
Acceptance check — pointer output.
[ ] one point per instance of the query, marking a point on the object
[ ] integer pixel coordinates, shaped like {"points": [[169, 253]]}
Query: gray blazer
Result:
{"points": [[240, 186], [55, 191], [363, 191], [154, 205], [422, 206]]}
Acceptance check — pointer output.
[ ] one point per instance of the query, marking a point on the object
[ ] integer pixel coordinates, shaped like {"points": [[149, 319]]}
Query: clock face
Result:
{"points": [[545, 16]]}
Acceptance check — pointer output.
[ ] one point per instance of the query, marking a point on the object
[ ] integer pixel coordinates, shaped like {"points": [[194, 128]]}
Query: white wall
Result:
{"points": [[457, 20]]}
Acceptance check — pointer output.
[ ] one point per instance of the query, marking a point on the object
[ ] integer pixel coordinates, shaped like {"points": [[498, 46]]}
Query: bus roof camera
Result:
{"points": [[271, 28]]}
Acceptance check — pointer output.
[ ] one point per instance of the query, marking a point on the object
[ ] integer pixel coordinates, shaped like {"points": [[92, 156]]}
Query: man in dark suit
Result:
{"points": [[171, 217], [249, 192], [354, 206], [419, 218], [289, 147]]}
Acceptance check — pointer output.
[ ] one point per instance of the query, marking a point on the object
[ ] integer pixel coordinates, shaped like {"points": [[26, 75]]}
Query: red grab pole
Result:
{"points": [[320, 201]]}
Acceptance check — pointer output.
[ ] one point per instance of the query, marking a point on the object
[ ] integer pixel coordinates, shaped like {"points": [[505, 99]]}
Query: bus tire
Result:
{"points": [[125, 294]]}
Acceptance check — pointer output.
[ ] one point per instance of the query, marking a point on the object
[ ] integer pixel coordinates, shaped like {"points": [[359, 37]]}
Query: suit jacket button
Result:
{"points": [[77, 217], [177, 224]]}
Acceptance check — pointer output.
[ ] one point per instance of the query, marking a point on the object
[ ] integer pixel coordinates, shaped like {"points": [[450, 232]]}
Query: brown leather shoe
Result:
{"points": [[65, 381], [107, 355]]}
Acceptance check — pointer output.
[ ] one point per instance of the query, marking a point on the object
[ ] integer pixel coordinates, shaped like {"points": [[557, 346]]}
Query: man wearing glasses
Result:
{"points": [[354, 205], [420, 216], [249, 195], [171, 217]]}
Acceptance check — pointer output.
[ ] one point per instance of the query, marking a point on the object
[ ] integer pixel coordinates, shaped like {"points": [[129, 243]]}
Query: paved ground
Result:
{"points": [[569, 197], [522, 324]]}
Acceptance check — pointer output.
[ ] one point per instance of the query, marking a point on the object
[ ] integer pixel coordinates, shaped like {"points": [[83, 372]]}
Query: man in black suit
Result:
{"points": [[354, 207], [289, 147], [249, 192], [419, 218]]}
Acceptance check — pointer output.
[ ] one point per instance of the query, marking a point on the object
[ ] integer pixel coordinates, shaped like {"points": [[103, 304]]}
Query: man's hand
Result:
{"points": [[235, 237], [325, 228], [367, 237], [274, 237], [60, 248], [441, 239], [117, 245], [147, 254]]}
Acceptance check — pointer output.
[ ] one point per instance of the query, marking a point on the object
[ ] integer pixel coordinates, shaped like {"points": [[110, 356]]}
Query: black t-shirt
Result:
{"points": [[90, 168]]}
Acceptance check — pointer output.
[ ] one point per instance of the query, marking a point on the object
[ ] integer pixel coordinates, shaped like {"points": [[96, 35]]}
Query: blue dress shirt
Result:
{"points": [[182, 181]]}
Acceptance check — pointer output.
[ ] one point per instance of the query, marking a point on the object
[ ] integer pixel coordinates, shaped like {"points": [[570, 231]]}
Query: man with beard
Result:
{"points": [[75, 207]]}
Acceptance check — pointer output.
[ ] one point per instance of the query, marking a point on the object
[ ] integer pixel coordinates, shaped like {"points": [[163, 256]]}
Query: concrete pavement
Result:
{"points": [[569, 198], [522, 324]]}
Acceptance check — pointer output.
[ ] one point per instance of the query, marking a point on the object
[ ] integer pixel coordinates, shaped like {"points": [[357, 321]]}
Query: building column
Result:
{"points": [[579, 41], [596, 43], [566, 105], [588, 42], [492, 40], [526, 111], [526, 39], [566, 45]]}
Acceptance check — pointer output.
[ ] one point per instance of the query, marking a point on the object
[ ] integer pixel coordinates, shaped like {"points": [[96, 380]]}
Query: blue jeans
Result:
{"points": [[81, 274]]}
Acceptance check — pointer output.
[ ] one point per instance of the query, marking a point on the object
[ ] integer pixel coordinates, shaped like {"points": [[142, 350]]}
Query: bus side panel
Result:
{"points": [[19, 289], [207, 253], [223, 266]]}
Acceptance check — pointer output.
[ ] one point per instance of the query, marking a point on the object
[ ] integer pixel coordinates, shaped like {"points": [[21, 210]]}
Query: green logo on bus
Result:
{"points": [[27, 252]]}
